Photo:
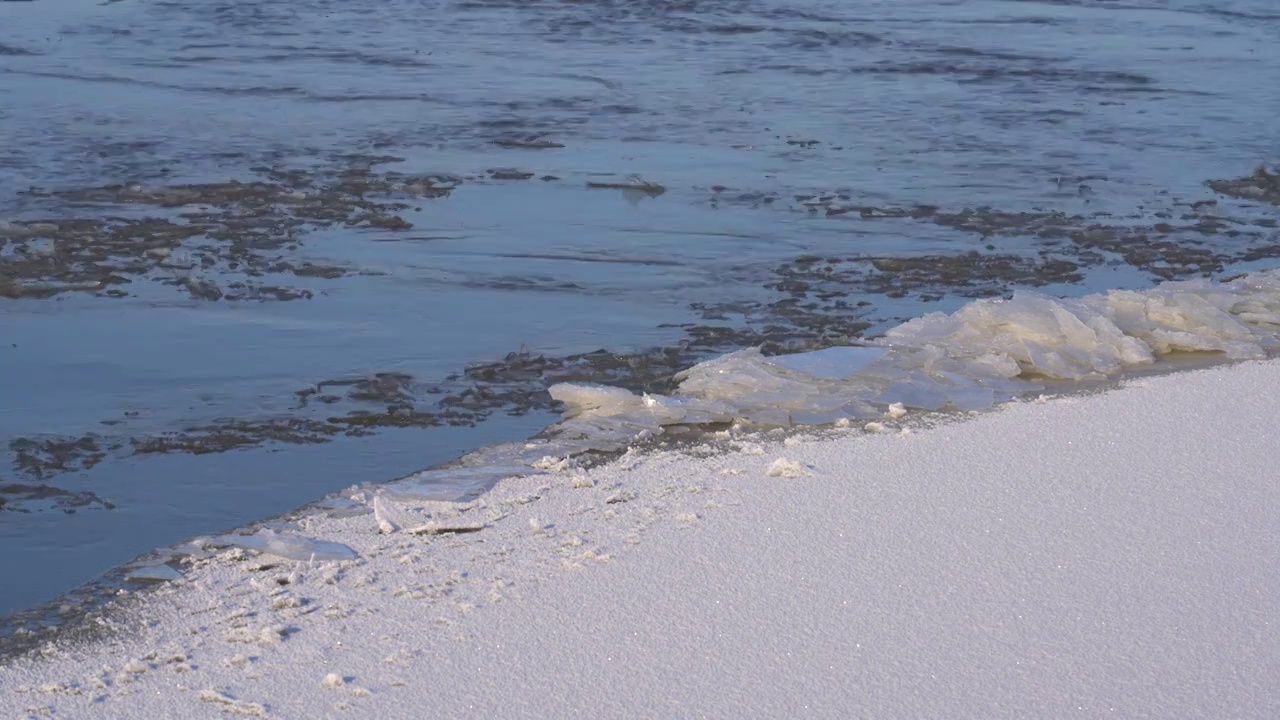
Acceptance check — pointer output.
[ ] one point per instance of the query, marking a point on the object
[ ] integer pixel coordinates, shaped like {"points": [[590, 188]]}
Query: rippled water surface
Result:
{"points": [[445, 206]]}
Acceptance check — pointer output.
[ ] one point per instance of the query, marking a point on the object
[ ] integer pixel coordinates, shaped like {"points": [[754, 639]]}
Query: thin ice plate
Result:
{"points": [[833, 363]]}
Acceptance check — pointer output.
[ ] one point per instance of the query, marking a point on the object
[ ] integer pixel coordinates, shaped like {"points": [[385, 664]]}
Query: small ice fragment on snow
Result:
{"points": [[340, 507], [875, 427], [333, 680], [159, 573], [833, 363], [784, 468], [135, 667], [620, 497], [551, 463], [435, 527], [290, 547], [380, 513], [423, 509], [896, 410], [272, 635], [582, 481], [195, 548], [231, 705]]}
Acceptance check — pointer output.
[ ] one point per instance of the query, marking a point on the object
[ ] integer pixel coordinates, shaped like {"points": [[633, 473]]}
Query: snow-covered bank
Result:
{"points": [[1091, 555]]}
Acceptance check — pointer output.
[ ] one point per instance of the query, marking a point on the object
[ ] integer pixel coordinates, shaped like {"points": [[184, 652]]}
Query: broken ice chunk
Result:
{"points": [[290, 547], [395, 514], [833, 363], [768, 416], [383, 517], [340, 507], [852, 410], [158, 573], [914, 395], [965, 394], [970, 397], [669, 410], [452, 483], [784, 468], [435, 527], [580, 397]]}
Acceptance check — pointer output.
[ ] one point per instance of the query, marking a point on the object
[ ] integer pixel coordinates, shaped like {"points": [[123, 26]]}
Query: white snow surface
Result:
{"points": [[1085, 556]]}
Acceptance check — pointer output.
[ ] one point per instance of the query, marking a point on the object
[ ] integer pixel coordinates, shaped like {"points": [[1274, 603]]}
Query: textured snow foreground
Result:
{"points": [[1112, 554]]}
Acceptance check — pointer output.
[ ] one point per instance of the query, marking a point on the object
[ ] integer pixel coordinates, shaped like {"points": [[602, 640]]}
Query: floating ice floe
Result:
{"points": [[987, 352], [290, 547]]}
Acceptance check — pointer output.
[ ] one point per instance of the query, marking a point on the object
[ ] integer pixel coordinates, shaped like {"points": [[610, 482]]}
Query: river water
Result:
{"points": [[257, 251]]}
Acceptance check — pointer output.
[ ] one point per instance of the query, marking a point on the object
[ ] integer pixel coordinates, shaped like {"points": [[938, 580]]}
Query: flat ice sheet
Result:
{"points": [[289, 546], [450, 484], [1109, 555], [833, 363]]}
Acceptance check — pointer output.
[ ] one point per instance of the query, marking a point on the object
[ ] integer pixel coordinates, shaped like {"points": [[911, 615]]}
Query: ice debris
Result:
{"points": [[230, 704], [452, 483], [436, 527], [382, 515], [987, 352], [784, 468], [833, 363], [290, 547], [159, 573]]}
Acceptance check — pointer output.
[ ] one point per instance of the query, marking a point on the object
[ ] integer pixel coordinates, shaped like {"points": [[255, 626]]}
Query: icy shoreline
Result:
{"points": [[987, 352], [1107, 553]]}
